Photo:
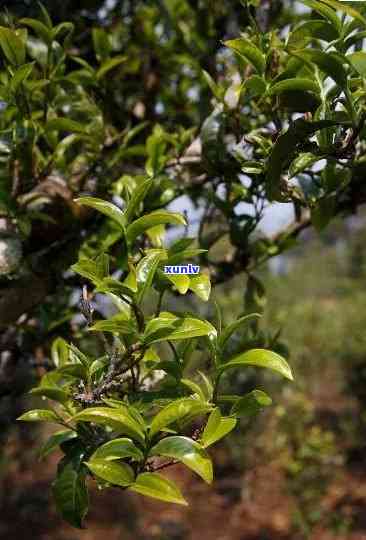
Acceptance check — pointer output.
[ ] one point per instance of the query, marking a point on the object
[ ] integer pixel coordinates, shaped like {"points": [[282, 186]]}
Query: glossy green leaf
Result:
{"points": [[251, 404], [159, 217], [311, 29], [158, 487], [250, 52], [106, 208], [326, 12], [88, 269], [188, 452], [119, 419], [358, 61], [176, 410], [12, 46], [194, 387], [59, 352], [145, 272], [301, 163], [181, 282], [53, 443], [216, 428], [345, 8], [51, 392], [65, 28], [260, 358], [201, 286], [118, 449], [119, 474], [39, 415], [42, 31], [108, 65], [137, 197], [329, 63], [115, 287], [165, 327], [294, 84], [71, 495], [115, 325], [234, 326]]}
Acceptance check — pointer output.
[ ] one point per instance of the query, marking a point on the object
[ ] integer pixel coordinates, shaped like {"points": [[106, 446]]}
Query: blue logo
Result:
{"points": [[182, 269]]}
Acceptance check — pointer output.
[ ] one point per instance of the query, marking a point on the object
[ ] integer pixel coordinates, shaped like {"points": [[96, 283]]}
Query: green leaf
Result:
{"points": [[311, 29], [181, 282], [233, 327], [216, 428], [329, 63], [294, 84], [12, 45], [326, 12], [118, 449], [177, 410], [55, 440], [51, 392], [119, 419], [71, 495], [64, 27], [251, 404], [119, 474], [286, 146], [65, 124], [156, 486], [145, 272], [201, 286], [39, 28], [102, 44], [106, 208], [115, 287], [168, 327], [301, 163], [255, 85], [45, 15], [196, 389], [249, 52], [39, 415], [260, 358], [108, 65], [188, 452], [215, 88], [20, 76], [115, 325], [341, 6], [89, 269], [137, 197], [59, 352], [358, 61], [159, 217]]}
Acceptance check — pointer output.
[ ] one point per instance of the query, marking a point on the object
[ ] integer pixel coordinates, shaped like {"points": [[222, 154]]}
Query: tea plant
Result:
{"points": [[120, 419]]}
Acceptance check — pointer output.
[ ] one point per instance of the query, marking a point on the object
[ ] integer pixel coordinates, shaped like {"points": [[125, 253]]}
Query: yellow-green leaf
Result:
{"points": [[188, 452], [156, 486], [260, 358]]}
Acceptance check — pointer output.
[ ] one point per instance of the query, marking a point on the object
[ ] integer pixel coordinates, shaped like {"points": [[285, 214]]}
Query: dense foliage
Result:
{"points": [[150, 108]]}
